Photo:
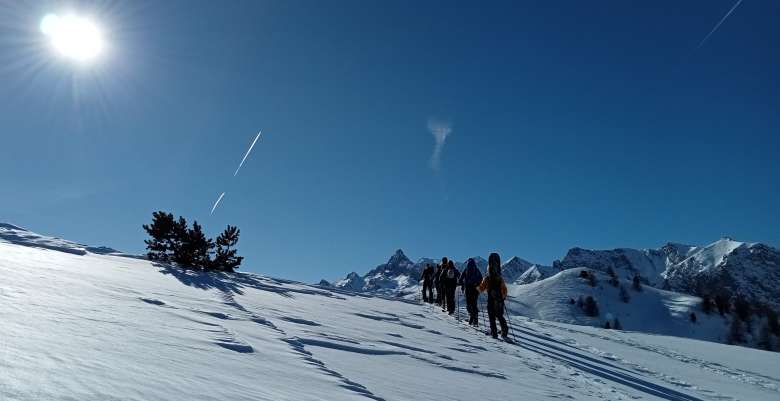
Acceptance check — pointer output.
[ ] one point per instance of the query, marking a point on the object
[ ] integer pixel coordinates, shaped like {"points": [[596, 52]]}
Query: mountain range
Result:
{"points": [[726, 267], [399, 276]]}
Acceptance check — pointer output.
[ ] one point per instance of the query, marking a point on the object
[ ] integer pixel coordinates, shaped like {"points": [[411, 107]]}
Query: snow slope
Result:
{"points": [[88, 326], [649, 311], [18, 235]]}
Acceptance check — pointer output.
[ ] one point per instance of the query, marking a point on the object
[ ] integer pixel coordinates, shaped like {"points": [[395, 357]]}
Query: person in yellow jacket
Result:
{"points": [[496, 290]]}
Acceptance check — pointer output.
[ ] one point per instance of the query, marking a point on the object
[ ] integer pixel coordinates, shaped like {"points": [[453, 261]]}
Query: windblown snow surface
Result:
{"points": [[90, 326]]}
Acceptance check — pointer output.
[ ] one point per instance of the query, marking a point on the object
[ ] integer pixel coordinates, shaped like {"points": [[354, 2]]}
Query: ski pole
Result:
{"points": [[484, 318], [509, 321], [457, 306]]}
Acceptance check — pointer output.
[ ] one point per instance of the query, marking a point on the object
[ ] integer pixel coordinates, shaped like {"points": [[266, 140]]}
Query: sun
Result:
{"points": [[74, 37]]}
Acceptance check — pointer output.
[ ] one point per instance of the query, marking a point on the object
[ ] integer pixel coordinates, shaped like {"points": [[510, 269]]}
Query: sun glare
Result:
{"points": [[74, 37]]}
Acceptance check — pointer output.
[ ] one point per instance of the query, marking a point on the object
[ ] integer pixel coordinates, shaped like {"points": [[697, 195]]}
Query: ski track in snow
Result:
{"points": [[753, 378]]}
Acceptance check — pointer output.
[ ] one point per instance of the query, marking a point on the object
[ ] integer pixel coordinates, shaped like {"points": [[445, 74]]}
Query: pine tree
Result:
{"points": [[196, 248], [772, 321], [706, 304], [168, 236], [226, 258], [693, 317], [607, 325], [623, 294], [765, 338], [591, 308], [613, 278], [592, 279], [723, 304], [736, 334], [742, 309], [637, 284], [179, 239], [161, 233], [580, 302], [616, 325]]}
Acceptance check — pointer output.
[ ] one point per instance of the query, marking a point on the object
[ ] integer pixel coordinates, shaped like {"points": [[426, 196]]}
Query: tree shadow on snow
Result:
{"points": [[235, 283], [201, 279]]}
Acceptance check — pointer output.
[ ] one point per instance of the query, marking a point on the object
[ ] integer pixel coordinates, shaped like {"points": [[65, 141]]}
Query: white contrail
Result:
{"points": [[217, 202], [247, 153], [440, 131], [734, 7]]}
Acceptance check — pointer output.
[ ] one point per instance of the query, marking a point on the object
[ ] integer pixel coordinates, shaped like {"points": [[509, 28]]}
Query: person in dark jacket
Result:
{"points": [[495, 287], [437, 285], [441, 288], [469, 281], [451, 277], [427, 287]]}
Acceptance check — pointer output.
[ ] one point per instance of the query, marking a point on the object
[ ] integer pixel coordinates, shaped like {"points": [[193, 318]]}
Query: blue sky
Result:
{"points": [[593, 124]]}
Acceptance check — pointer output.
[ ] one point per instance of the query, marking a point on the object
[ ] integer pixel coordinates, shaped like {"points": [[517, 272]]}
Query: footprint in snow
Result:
{"points": [[217, 315], [230, 341], [152, 301], [239, 347], [300, 321]]}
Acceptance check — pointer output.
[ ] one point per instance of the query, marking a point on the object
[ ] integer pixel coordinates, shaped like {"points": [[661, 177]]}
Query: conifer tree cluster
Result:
{"points": [[590, 276], [637, 283], [590, 307], [613, 277], [173, 241], [623, 294], [614, 324]]}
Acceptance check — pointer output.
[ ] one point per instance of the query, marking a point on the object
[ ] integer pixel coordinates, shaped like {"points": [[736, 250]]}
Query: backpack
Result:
{"points": [[450, 273], [494, 289], [472, 276]]}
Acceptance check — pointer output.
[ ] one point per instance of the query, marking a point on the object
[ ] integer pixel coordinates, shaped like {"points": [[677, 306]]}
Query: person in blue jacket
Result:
{"points": [[469, 281]]}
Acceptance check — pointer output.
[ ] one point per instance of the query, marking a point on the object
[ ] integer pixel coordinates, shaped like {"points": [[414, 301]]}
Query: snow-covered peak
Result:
{"points": [[11, 227], [353, 282], [728, 267], [516, 261], [535, 273], [725, 267], [398, 258], [649, 264], [715, 252], [394, 277], [513, 268], [677, 252]]}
